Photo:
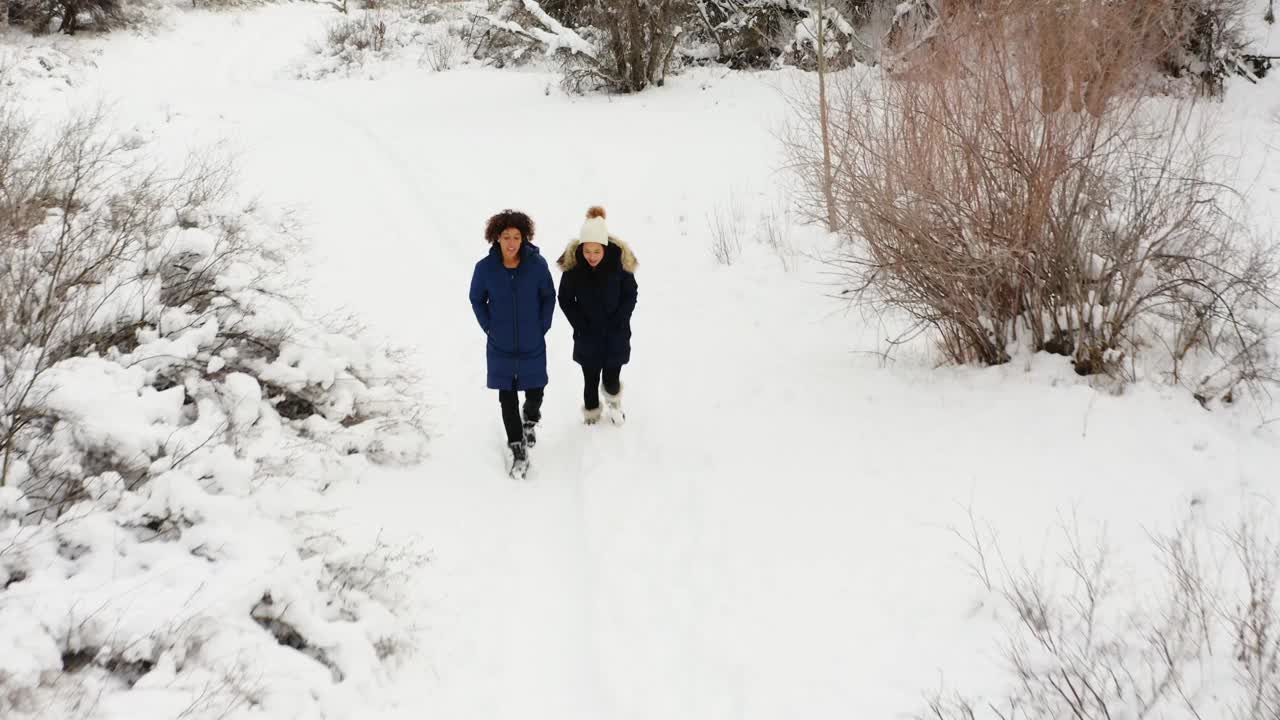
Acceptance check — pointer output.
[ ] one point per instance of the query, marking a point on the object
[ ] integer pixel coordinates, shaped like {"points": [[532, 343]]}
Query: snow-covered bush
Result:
{"points": [[625, 46], [66, 16], [431, 32], [514, 32], [1205, 39], [169, 424], [442, 51], [633, 41], [616, 45], [767, 33], [351, 37], [228, 4], [984, 207]]}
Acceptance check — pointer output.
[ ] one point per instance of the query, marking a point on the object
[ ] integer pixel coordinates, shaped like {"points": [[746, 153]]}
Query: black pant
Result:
{"points": [[591, 383], [510, 400]]}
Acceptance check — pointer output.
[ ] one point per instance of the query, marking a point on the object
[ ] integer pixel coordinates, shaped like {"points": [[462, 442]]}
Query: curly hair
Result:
{"points": [[508, 219]]}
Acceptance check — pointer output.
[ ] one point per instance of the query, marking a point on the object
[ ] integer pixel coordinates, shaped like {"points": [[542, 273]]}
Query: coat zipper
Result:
{"points": [[515, 314]]}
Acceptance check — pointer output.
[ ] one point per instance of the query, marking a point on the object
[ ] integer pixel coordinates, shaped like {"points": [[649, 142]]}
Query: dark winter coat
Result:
{"points": [[515, 308], [598, 303]]}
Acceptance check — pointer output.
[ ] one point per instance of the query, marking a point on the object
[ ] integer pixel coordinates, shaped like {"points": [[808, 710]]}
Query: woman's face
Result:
{"points": [[593, 252], [510, 240]]}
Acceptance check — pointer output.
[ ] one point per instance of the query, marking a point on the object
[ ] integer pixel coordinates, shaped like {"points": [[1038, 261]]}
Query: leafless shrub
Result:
{"points": [[999, 201], [442, 52], [775, 233], [1202, 39], [1254, 622], [727, 227], [357, 34], [1078, 649]]}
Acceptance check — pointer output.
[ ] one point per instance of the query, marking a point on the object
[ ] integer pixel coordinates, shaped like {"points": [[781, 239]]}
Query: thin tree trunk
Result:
{"points": [[827, 180], [4, 468]]}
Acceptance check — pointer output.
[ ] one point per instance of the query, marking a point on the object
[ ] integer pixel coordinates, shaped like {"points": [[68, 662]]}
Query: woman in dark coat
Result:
{"points": [[598, 294], [514, 300]]}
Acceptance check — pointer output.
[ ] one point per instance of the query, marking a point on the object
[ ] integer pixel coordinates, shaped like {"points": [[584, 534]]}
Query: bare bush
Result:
{"points": [[727, 227], [1254, 620], [1076, 646], [442, 52], [1076, 655], [775, 234], [358, 34], [1004, 204], [1202, 39]]}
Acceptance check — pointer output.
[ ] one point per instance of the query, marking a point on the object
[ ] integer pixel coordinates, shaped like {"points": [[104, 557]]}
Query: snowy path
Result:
{"points": [[766, 538]]}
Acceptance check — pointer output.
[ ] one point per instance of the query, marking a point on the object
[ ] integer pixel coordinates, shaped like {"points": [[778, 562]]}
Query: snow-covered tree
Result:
{"points": [[634, 41]]}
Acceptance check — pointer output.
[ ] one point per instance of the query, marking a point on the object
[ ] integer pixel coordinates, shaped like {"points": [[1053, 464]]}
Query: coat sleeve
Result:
{"points": [[569, 302], [546, 299], [630, 294], [480, 298]]}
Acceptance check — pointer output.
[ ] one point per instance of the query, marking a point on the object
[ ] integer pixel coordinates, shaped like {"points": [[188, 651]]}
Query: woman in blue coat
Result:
{"points": [[598, 294], [514, 300]]}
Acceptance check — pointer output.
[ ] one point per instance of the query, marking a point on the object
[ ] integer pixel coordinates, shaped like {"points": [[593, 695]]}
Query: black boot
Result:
{"points": [[531, 414], [519, 459]]}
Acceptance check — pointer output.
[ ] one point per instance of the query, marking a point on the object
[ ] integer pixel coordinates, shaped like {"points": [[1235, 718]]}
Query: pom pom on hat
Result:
{"points": [[594, 229]]}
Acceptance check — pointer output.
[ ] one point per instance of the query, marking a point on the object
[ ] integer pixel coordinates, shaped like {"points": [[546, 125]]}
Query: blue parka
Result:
{"points": [[515, 307]]}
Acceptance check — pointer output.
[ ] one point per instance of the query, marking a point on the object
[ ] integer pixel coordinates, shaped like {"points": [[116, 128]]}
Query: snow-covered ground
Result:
{"points": [[770, 535]]}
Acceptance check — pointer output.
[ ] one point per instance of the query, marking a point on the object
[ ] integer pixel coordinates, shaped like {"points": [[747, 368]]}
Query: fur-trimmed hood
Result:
{"points": [[570, 258]]}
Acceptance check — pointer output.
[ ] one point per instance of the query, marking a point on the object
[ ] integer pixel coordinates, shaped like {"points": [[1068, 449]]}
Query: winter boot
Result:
{"points": [[614, 404], [591, 417], [530, 433], [519, 460]]}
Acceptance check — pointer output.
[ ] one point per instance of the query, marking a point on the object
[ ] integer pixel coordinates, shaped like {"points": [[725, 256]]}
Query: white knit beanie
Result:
{"points": [[594, 229]]}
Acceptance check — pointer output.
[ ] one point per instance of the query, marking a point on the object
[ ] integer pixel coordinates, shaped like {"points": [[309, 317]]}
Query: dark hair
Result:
{"points": [[508, 219]]}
